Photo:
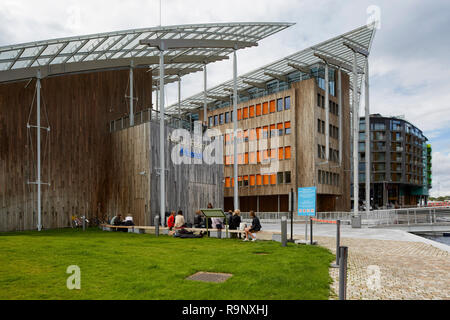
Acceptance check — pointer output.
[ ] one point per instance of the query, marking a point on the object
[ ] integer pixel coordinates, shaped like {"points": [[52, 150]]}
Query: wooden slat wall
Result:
{"points": [[79, 108]]}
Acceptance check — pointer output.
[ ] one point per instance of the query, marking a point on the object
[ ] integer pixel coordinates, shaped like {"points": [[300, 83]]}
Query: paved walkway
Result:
{"points": [[386, 264]]}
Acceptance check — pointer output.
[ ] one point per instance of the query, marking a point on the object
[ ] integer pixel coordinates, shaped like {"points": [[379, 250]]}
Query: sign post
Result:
{"points": [[307, 205]]}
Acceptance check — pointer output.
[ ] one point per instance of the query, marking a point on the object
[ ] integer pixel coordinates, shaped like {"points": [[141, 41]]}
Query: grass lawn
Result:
{"points": [[118, 265]]}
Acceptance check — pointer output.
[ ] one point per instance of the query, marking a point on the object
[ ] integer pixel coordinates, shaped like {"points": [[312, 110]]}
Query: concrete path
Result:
{"points": [[385, 264]]}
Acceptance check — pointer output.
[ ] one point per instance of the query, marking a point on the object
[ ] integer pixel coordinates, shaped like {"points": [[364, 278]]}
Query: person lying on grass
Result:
{"points": [[255, 227]]}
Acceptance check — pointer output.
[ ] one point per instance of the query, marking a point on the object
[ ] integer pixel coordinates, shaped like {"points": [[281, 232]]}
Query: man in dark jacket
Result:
{"points": [[198, 220]]}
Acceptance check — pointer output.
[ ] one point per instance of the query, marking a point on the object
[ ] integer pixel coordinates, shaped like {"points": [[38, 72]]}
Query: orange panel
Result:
{"points": [[246, 158], [245, 178], [266, 154], [280, 154], [265, 108], [245, 113], [251, 111], [252, 157], [227, 182], [273, 179], [252, 181], [287, 124], [266, 179], [265, 132], [258, 109], [287, 152], [280, 126], [259, 154], [232, 182], [258, 133], [239, 114], [258, 180], [272, 106], [273, 153], [252, 134]]}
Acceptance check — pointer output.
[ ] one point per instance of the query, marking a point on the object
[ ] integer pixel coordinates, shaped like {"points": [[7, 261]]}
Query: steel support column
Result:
{"points": [[327, 113], [38, 145], [340, 115], [367, 136], [205, 103], [179, 101], [162, 150], [355, 138], [131, 95], [235, 127]]}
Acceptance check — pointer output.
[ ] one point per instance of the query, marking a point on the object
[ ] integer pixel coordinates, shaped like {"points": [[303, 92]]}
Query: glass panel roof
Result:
{"points": [[20, 61], [333, 48]]}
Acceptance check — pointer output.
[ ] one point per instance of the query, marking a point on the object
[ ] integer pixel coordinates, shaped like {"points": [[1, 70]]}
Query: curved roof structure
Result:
{"points": [[333, 50], [117, 49]]}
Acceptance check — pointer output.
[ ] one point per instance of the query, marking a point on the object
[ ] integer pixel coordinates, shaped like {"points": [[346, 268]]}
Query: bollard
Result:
{"points": [[84, 223], [157, 226], [338, 240], [343, 254], [283, 231], [311, 236]]}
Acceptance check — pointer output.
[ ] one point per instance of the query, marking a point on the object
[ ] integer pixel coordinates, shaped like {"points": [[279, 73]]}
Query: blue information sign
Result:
{"points": [[307, 201]]}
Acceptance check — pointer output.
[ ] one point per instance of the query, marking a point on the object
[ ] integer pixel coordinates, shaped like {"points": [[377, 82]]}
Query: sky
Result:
{"points": [[409, 62]]}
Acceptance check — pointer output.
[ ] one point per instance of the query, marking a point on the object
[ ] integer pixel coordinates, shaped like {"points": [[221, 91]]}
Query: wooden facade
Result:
{"points": [[90, 170]]}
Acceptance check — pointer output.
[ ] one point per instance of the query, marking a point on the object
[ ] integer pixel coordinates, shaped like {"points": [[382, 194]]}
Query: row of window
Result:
{"points": [[262, 156], [260, 180], [334, 154], [329, 178], [260, 132], [251, 111], [334, 131], [334, 107]]}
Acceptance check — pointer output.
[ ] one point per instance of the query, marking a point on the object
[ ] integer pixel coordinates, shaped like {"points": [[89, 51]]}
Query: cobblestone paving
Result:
{"points": [[407, 270]]}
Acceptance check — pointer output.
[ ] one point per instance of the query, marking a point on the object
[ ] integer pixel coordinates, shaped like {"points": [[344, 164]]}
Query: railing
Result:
{"points": [[404, 216]]}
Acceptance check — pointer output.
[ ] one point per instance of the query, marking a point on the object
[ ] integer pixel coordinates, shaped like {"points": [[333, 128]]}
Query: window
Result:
{"points": [[280, 105], [246, 158], [266, 179], [287, 177], [273, 154], [251, 111], [280, 129], [258, 110], [245, 181], [273, 132], [287, 127], [280, 154], [265, 132], [227, 117], [216, 120], [287, 103], [319, 126], [240, 182], [280, 177], [239, 114], [245, 113], [258, 133], [265, 108], [272, 106], [319, 100], [323, 101], [221, 118], [210, 121], [273, 179], [240, 158], [319, 176], [227, 182], [252, 157], [287, 153], [245, 135], [252, 135], [259, 156]]}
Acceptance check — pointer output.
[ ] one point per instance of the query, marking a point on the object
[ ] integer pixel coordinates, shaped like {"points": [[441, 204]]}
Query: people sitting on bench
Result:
{"points": [[179, 221], [198, 220], [171, 221], [250, 232], [235, 221], [217, 223]]}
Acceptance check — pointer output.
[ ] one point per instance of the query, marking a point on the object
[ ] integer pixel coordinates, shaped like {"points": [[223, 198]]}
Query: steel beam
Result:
{"points": [[327, 113], [235, 127], [166, 44], [367, 131], [38, 145], [131, 95], [162, 149]]}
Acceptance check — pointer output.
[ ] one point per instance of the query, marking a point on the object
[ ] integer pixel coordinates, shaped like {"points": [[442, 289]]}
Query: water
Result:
{"points": [[441, 239]]}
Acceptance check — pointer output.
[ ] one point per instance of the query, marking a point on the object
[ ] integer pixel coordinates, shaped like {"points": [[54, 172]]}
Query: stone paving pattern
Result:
{"points": [[408, 270]]}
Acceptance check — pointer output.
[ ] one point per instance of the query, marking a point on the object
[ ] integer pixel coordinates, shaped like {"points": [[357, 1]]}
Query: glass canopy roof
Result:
{"points": [[117, 49], [334, 49]]}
